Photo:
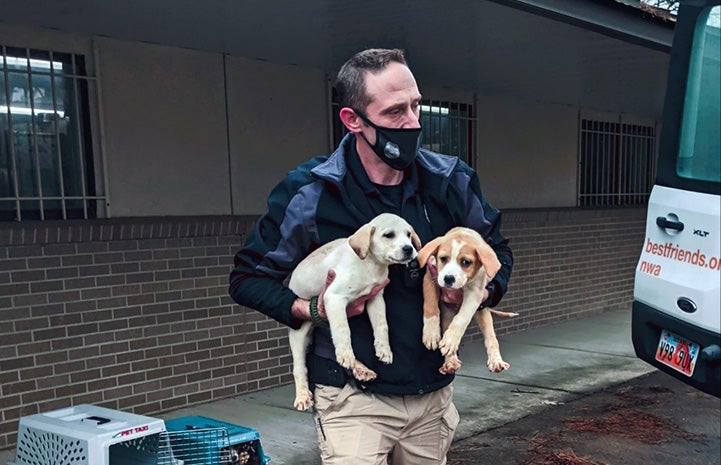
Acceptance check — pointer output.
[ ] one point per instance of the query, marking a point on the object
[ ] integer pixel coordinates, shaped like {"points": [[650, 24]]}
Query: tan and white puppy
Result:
{"points": [[360, 262], [464, 261]]}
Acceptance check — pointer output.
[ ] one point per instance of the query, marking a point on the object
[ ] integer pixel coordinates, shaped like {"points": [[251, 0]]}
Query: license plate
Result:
{"points": [[677, 352]]}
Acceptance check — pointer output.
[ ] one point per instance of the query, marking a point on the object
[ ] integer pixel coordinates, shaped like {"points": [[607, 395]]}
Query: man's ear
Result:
{"points": [[350, 119]]}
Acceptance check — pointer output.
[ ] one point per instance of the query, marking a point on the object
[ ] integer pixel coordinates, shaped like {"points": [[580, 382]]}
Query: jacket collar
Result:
{"points": [[345, 161]]}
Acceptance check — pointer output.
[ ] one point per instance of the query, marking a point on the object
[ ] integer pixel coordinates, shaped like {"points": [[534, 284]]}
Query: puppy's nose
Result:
{"points": [[449, 280], [408, 250]]}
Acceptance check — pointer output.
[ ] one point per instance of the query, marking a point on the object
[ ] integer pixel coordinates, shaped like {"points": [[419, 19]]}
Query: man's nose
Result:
{"points": [[411, 119]]}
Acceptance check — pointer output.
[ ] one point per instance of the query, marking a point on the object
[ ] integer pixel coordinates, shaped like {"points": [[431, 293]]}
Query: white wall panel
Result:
{"points": [[165, 130], [527, 153], [278, 118]]}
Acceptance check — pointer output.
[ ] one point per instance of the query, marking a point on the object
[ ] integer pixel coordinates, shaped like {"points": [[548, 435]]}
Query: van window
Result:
{"points": [[699, 155]]}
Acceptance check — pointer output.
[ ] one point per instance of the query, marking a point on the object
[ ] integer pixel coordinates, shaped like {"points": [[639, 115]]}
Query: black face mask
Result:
{"points": [[396, 147]]}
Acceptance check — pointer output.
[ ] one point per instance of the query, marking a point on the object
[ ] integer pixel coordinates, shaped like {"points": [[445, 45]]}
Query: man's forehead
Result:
{"points": [[391, 85]]}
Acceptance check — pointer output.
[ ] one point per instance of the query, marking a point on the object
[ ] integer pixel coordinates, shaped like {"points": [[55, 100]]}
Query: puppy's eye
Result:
{"points": [[389, 235], [443, 259], [465, 263]]}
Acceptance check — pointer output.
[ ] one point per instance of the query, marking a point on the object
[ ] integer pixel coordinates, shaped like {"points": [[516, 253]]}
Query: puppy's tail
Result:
{"points": [[502, 314]]}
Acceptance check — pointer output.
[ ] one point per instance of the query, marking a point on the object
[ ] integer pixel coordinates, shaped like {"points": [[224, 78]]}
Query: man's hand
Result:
{"points": [[354, 308], [301, 307]]}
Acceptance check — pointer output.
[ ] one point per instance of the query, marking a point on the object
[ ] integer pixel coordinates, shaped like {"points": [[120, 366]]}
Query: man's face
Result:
{"points": [[395, 99]]}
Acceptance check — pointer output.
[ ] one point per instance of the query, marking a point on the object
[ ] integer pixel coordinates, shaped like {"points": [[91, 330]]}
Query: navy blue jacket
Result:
{"points": [[331, 197]]}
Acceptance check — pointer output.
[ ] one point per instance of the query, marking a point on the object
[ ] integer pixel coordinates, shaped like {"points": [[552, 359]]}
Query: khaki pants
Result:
{"points": [[359, 428]]}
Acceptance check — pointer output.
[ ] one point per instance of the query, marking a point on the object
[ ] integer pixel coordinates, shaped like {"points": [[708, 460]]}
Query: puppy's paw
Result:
{"points": [[431, 332], [450, 342], [383, 351], [497, 365], [303, 400], [451, 365], [345, 357], [362, 372]]}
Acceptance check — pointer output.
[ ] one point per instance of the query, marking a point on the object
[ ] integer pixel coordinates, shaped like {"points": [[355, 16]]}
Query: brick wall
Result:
{"points": [[569, 263], [133, 314], [130, 315]]}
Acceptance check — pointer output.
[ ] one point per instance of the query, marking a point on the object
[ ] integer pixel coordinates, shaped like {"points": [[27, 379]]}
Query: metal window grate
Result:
{"points": [[616, 163], [47, 165], [449, 128]]}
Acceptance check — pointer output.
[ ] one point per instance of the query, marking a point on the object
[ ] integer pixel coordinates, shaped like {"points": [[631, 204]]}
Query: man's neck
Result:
{"points": [[377, 170]]}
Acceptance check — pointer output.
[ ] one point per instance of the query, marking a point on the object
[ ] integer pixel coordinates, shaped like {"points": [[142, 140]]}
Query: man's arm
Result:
{"points": [[301, 307], [277, 242], [254, 284], [486, 219]]}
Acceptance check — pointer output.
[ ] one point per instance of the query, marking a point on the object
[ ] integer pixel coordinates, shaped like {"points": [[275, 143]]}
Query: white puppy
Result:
{"points": [[360, 262]]}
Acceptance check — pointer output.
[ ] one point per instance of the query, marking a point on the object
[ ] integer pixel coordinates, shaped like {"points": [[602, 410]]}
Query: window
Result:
{"points": [[616, 163], [47, 168], [699, 150], [448, 127]]}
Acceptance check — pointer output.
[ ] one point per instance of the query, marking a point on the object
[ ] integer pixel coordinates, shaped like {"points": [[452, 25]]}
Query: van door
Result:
{"points": [[676, 320]]}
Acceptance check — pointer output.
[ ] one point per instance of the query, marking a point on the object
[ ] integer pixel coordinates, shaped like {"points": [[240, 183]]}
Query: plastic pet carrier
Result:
{"points": [[207, 441], [88, 435]]}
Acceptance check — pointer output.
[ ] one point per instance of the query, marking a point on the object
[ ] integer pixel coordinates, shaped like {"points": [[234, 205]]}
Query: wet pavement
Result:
{"points": [[652, 419]]}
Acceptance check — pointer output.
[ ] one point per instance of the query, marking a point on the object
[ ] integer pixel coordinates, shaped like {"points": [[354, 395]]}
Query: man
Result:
{"points": [[378, 167]]}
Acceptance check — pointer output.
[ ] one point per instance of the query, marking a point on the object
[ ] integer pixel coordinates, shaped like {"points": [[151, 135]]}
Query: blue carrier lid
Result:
{"points": [[236, 433]]}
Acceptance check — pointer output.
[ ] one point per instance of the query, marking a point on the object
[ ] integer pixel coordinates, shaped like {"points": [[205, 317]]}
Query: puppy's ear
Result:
{"points": [[360, 241], [428, 250], [488, 258], [415, 240]]}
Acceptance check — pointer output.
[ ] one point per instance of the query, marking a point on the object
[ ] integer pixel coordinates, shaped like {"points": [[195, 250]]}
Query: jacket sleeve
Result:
{"points": [[280, 239], [486, 219]]}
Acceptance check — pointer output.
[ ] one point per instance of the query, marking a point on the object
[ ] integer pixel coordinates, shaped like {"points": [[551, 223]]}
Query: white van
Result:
{"points": [[676, 320]]}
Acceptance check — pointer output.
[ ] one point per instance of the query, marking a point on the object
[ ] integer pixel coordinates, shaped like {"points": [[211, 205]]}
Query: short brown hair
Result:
{"points": [[350, 82]]}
